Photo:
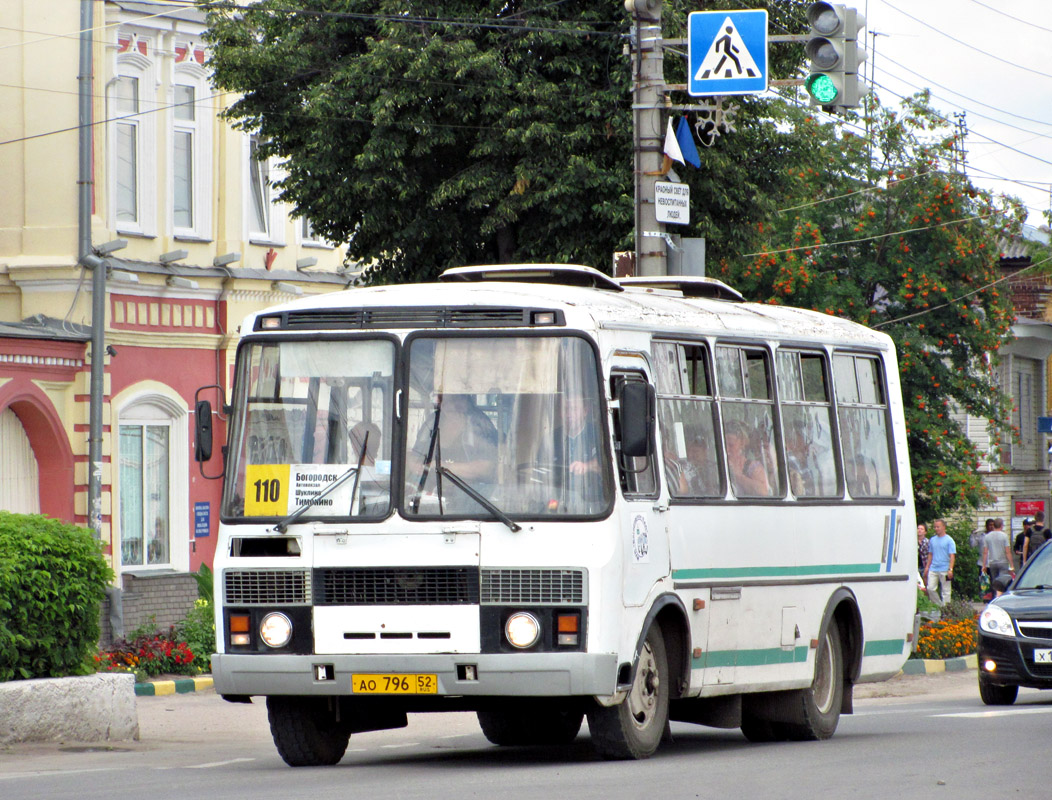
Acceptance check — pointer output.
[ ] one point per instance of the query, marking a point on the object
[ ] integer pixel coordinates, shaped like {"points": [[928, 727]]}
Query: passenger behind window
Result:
{"points": [[747, 473], [802, 478], [358, 440]]}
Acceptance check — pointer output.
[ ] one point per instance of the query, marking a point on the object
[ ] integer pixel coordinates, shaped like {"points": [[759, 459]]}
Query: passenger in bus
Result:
{"points": [[802, 478], [358, 440], [577, 450], [466, 438], [747, 473]]}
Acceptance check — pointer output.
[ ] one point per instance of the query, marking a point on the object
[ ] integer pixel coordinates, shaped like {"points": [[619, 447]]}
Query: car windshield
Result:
{"points": [[1038, 571], [307, 413], [516, 419]]}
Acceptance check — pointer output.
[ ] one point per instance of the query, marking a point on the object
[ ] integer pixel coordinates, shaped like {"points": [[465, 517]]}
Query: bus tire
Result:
{"points": [[817, 710], [634, 728], [541, 727], [306, 731]]}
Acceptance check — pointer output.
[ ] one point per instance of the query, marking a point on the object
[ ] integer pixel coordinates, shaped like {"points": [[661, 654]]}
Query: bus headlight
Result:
{"points": [[522, 630], [995, 620], [275, 629]]}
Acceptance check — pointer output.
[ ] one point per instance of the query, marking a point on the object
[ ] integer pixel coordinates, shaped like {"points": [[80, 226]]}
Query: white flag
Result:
{"points": [[672, 149]]}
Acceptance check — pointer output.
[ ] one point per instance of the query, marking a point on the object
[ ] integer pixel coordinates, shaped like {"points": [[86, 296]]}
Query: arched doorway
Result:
{"points": [[19, 473]]}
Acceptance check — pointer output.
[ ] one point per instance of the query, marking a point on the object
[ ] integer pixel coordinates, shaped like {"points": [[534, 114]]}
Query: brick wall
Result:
{"points": [[166, 598]]}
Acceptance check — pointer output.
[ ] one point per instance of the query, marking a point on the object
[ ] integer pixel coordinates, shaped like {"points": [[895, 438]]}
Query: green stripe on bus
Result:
{"points": [[750, 658], [775, 572], [884, 647]]}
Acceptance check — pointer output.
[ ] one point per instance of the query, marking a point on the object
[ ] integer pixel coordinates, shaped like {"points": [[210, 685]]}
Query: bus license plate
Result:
{"points": [[394, 684]]}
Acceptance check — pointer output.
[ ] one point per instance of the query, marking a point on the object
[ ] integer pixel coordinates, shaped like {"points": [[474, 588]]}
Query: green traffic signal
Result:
{"points": [[822, 88]]}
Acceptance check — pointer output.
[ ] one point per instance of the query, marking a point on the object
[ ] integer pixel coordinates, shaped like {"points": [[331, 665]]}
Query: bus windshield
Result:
{"points": [[307, 413], [516, 420]]}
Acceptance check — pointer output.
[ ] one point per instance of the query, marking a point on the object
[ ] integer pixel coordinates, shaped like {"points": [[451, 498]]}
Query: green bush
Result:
{"points": [[53, 578], [198, 630], [965, 567]]}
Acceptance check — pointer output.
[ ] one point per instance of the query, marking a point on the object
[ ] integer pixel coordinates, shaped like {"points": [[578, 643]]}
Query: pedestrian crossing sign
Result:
{"points": [[727, 52]]}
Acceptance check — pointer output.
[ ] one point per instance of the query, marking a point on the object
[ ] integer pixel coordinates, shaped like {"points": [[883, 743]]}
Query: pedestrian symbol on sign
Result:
{"points": [[728, 57], [726, 52]]}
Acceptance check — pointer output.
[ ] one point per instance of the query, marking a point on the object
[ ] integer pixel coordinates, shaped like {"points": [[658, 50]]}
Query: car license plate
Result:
{"points": [[1043, 656], [394, 684]]}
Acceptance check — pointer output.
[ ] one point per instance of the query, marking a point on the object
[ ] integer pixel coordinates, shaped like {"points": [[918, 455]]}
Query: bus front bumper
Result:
{"points": [[495, 675]]}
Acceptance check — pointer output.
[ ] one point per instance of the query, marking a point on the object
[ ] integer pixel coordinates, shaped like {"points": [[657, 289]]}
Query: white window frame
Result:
{"points": [[306, 236], [134, 65], [200, 129], [276, 215], [155, 409]]}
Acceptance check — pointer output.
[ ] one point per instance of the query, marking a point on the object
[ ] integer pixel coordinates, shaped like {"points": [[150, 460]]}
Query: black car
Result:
{"points": [[1015, 635]]}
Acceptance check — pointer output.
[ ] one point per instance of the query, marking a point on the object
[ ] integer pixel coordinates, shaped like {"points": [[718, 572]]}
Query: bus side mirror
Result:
{"points": [[203, 431], [637, 401]]}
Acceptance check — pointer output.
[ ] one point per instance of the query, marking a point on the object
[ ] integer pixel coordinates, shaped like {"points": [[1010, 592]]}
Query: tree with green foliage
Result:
{"points": [[879, 231], [438, 134]]}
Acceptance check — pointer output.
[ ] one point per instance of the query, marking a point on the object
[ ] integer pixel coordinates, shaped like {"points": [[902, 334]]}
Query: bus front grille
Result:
{"points": [[380, 586], [266, 587], [539, 586]]}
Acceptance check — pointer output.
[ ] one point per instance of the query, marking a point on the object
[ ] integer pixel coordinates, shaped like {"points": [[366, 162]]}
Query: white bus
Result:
{"points": [[541, 494]]}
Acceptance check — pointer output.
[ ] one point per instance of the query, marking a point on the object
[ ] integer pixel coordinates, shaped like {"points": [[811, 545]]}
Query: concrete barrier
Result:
{"points": [[92, 708]]}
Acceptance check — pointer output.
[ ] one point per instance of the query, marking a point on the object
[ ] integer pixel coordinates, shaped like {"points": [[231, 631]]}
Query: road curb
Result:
{"points": [[180, 686], [928, 666]]}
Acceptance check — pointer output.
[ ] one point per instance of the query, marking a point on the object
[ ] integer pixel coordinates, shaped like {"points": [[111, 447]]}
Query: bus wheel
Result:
{"points": [[818, 707], [544, 727], [306, 731], [633, 729]]}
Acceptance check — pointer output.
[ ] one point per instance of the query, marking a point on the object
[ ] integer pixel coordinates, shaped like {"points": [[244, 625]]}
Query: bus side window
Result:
{"points": [[686, 411], [745, 391], [807, 424], [863, 416], [637, 473]]}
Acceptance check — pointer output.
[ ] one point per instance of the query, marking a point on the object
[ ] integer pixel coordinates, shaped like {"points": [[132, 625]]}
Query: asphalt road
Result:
{"points": [[925, 735]]}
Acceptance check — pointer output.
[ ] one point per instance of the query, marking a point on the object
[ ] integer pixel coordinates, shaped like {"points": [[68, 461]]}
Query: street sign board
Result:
{"points": [[727, 52], [672, 202]]}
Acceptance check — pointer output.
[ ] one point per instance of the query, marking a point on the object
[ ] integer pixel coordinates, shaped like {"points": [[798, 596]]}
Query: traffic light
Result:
{"points": [[835, 55]]}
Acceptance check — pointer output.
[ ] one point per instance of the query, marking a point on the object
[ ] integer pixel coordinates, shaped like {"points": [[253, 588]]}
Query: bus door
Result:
{"points": [[644, 512]]}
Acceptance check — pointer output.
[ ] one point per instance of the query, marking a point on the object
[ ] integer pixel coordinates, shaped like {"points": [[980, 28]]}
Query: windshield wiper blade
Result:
{"points": [[478, 497], [356, 470]]}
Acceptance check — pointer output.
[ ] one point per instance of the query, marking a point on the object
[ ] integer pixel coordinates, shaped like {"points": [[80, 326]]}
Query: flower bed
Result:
{"points": [[947, 638], [149, 656]]}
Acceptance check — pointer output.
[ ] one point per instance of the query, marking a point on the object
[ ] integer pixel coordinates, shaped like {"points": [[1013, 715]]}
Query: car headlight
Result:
{"points": [[522, 629], [275, 629], [995, 620]]}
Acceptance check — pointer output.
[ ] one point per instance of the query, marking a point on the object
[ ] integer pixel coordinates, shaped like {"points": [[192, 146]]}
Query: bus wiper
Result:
{"points": [[478, 497], [356, 470]]}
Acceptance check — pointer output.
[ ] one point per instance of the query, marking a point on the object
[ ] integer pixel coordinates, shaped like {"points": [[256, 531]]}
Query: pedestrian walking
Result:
{"points": [[938, 570], [997, 552]]}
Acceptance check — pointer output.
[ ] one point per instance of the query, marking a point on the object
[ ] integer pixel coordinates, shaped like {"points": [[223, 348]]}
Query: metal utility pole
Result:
{"points": [[648, 82], [89, 259]]}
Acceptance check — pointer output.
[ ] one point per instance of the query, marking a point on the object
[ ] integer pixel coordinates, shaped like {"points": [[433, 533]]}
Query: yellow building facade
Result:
{"points": [[206, 243]]}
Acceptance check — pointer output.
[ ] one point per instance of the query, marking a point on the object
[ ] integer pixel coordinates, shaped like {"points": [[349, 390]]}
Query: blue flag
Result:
{"points": [[686, 143]]}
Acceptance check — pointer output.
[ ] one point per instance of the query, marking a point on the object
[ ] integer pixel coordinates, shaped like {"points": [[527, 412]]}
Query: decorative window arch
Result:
{"points": [[151, 480]]}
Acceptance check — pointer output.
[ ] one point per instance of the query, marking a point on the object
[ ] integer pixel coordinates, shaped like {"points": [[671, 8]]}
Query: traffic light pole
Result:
{"points": [[648, 90]]}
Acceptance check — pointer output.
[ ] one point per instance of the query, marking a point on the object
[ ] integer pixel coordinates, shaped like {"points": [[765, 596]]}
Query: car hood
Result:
{"points": [[1026, 603]]}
